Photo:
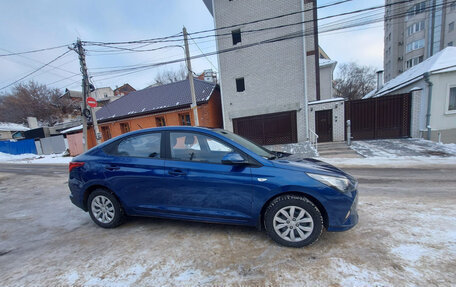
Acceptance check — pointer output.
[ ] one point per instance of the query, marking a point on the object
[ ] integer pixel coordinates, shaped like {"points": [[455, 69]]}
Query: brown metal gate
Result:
{"points": [[268, 129], [379, 118]]}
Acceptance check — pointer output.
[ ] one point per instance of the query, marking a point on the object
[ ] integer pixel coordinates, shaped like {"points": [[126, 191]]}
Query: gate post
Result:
{"points": [[349, 132]]}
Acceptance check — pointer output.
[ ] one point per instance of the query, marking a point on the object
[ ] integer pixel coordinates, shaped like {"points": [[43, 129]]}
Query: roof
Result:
{"points": [[73, 129], [327, 62], [442, 62], [125, 89], [12, 127], [155, 99], [72, 94]]}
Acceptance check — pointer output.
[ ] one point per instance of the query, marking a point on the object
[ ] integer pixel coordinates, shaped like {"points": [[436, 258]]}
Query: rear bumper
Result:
{"points": [[76, 202]]}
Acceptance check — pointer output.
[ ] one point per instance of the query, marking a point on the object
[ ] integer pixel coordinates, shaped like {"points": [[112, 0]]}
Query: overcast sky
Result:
{"points": [[28, 25]]}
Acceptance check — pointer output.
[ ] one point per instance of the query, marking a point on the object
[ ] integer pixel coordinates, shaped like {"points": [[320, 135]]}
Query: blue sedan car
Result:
{"points": [[212, 175]]}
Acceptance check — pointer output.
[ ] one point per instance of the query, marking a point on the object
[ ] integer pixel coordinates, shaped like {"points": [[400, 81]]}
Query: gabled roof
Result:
{"points": [[155, 99], [12, 127], [442, 62]]}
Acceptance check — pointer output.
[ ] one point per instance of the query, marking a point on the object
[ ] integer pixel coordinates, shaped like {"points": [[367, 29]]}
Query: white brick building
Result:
{"points": [[264, 85]]}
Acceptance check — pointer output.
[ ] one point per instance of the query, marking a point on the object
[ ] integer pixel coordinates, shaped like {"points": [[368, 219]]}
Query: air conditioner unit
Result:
{"points": [[400, 43], [400, 58]]}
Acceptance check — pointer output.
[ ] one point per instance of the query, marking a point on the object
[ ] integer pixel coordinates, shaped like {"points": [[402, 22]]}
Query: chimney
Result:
{"points": [[379, 80]]}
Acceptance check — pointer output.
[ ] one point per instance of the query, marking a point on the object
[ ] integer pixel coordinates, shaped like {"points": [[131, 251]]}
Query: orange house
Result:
{"points": [[165, 105]]}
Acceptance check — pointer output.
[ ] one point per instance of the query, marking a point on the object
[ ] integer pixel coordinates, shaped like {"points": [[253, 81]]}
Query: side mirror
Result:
{"points": [[233, 158]]}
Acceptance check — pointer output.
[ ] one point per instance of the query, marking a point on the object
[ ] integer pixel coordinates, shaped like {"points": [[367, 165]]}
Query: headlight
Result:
{"points": [[340, 183]]}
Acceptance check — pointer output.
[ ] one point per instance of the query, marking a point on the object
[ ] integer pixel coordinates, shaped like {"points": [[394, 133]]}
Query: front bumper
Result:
{"points": [[350, 220]]}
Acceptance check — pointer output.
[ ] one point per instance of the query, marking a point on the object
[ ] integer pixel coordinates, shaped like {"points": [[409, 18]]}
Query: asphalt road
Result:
{"points": [[406, 237]]}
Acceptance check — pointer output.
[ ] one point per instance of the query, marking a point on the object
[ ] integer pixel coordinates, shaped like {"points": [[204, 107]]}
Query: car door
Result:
{"points": [[201, 187], [134, 170]]}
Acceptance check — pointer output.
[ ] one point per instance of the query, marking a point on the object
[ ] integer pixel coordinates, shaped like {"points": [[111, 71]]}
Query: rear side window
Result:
{"points": [[143, 145]]}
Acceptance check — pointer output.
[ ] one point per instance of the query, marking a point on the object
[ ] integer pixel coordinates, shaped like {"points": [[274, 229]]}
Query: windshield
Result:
{"points": [[259, 150]]}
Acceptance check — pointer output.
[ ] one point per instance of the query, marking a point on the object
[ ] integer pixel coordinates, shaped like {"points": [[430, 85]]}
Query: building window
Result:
{"points": [[160, 121], [106, 133], [124, 128], [415, 45], [417, 27], [416, 9], [451, 27], [240, 85], [452, 100], [453, 6], [236, 35], [450, 44], [185, 119], [415, 61]]}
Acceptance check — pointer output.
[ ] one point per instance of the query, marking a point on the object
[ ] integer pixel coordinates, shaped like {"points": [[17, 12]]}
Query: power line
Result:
{"points": [[170, 38], [207, 58], [33, 51], [33, 72], [276, 39]]}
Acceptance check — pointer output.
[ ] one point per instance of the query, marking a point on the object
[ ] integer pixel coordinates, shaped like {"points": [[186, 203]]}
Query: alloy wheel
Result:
{"points": [[293, 223]]}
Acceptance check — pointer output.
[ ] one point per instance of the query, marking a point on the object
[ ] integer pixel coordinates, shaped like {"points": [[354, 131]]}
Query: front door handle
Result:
{"points": [[112, 167], [176, 172]]}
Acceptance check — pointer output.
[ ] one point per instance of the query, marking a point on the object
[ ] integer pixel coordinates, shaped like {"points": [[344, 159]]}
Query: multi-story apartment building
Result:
{"points": [[268, 63], [415, 31]]}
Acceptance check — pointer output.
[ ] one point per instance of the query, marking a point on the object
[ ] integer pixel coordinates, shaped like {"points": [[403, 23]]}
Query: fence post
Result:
{"points": [[348, 132]]}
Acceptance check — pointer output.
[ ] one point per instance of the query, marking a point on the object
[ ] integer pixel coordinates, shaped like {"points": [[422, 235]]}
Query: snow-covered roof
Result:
{"points": [[327, 62], [12, 127], [327, 101], [442, 62], [73, 129]]}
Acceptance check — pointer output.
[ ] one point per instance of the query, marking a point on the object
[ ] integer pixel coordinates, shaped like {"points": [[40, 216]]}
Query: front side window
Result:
{"points": [[143, 145], [452, 99], [197, 147]]}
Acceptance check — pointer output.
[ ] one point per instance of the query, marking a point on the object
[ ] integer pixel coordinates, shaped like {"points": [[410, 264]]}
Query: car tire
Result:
{"points": [[293, 221], [104, 209]]}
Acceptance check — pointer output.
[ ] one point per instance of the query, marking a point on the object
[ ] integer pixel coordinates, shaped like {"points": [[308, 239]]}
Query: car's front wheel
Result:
{"points": [[105, 209], [293, 221]]}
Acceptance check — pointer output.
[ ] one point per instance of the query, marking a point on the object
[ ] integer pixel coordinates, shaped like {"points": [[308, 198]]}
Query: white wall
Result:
{"points": [[273, 73]]}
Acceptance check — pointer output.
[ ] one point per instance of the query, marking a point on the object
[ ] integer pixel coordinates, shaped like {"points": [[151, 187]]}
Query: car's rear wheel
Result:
{"points": [[293, 221], [105, 209]]}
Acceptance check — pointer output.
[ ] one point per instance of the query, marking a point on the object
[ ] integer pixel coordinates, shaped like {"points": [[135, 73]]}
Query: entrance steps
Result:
{"points": [[336, 150]]}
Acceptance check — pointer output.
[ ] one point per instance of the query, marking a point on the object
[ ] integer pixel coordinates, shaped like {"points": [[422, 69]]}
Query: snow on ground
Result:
{"points": [[396, 148], [406, 161], [34, 159], [398, 153]]}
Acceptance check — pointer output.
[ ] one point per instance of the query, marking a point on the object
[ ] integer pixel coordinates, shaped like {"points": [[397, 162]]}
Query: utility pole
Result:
{"points": [[85, 90], [190, 78]]}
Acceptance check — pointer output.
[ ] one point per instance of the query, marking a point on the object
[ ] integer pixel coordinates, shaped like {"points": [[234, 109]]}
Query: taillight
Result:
{"points": [[74, 164]]}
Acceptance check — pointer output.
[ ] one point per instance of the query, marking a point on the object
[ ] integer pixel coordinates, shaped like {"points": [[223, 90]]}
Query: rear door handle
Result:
{"points": [[112, 167], [176, 172]]}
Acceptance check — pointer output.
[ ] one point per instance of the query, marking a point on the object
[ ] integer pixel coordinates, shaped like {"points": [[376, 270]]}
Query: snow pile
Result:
{"points": [[12, 127], [30, 158]]}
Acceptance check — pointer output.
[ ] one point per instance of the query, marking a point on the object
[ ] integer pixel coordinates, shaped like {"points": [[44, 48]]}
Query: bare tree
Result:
{"points": [[354, 81], [171, 76], [33, 100]]}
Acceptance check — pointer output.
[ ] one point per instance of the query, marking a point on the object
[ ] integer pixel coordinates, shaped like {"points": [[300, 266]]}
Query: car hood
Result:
{"points": [[308, 165]]}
